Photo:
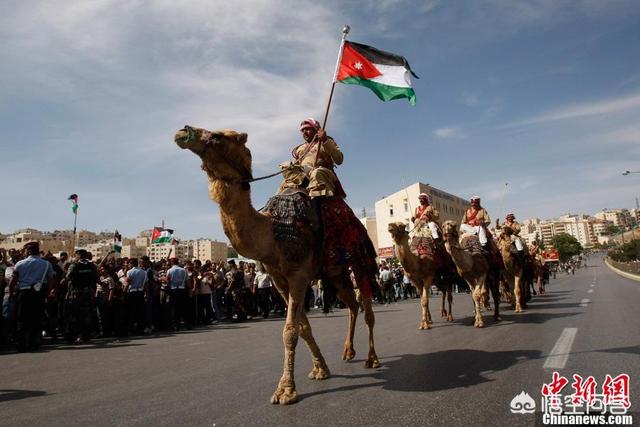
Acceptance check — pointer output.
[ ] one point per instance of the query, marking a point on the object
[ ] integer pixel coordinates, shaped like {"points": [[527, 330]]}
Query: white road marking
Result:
{"points": [[559, 355], [584, 302], [590, 291]]}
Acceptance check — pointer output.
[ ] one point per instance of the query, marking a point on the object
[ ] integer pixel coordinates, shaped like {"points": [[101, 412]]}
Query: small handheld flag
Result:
{"points": [[117, 242], [161, 235], [74, 203]]}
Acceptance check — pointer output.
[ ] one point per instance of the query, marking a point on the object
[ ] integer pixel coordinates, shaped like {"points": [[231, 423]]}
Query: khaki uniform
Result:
{"points": [[428, 214], [322, 179], [425, 222], [481, 216]]}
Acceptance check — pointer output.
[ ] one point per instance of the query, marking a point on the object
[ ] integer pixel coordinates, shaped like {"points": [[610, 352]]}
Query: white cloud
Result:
{"points": [[109, 82], [446, 133], [596, 108]]}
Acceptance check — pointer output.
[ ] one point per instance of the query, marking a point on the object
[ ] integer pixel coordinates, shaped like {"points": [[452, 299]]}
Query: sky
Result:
{"points": [[541, 95]]}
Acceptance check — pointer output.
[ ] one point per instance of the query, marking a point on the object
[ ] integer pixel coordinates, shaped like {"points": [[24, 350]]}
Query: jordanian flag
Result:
{"points": [[161, 235], [74, 202], [386, 74], [117, 242]]}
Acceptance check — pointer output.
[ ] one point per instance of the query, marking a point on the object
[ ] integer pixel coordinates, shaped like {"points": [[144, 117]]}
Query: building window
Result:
{"points": [[406, 205], [390, 210]]}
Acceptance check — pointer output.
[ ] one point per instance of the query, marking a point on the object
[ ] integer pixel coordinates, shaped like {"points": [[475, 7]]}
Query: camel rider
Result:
{"points": [[510, 221], [475, 219], [425, 216], [318, 166]]}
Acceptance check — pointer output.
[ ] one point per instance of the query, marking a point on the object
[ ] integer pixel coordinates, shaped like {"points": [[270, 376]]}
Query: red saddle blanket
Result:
{"points": [[346, 242], [426, 247]]}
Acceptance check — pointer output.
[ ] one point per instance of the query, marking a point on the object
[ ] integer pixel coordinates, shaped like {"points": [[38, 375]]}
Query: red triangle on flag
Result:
{"points": [[353, 64]]}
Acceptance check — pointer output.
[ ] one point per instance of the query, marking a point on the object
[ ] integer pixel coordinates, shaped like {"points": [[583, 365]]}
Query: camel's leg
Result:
{"points": [[424, 302], [348, 297], [517, 288], [443, 311], [450, 301], [370, 320], [491, 281], [320, 369], [286, 390], [477, 296], [540, 284]]}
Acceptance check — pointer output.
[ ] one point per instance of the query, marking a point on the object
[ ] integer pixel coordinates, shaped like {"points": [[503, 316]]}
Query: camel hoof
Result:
{"points": [[372, 363], [348, 354], [480, 325], [319, 374], [285, 396], [449, 318], [497, 318], [424, 325]]}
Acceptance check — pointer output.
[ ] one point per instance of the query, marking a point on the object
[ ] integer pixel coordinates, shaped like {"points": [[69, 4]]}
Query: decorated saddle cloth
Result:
{"points": [[346, 242], [427, 247], [293, 218], [471, 243]]}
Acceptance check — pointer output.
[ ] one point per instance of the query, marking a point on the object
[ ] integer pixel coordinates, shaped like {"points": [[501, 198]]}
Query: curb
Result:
{"points": [[622, 273]]}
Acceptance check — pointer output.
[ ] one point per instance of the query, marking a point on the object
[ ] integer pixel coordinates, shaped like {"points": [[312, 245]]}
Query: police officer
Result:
{"points": [[82, 279], [31, 279], [177, 278], [135, 293]]}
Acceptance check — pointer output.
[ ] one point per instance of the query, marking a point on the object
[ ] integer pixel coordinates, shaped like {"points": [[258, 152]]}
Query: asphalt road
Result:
{"points": [[453, 374]]}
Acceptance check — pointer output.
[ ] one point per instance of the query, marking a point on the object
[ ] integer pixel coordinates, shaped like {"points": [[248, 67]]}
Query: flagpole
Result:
{"points": [[75, 220], [345, 31]]}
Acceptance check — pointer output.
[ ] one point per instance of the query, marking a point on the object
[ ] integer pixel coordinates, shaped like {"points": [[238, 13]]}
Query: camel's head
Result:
{"points": [[398, 232], [224, 155], [450, 230]]}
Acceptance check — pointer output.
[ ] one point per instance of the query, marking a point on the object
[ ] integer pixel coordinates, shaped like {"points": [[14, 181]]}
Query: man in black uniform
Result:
{"points": [[82, 279]]}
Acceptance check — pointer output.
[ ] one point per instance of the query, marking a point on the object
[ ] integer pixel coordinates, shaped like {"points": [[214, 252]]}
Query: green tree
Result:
{"points": [[567, 246], [611, 229], [628, 252]]}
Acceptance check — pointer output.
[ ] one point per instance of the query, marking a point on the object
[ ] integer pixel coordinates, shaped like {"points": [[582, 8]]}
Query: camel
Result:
{"points": [[421, 272], [513, 271], [538, 272], [476, 270], [227, 163]]}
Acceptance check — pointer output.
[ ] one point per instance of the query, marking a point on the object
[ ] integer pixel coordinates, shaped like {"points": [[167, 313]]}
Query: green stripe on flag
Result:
{"points": [[384, 92]]}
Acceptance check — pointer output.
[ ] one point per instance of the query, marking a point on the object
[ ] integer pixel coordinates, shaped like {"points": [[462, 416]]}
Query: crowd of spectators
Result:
{"points": [[131, 296]]}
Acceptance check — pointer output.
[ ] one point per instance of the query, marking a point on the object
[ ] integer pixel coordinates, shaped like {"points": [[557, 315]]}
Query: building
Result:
{"points": [[157, 252], [618, 217], [98, 250], [372, 230], [205, 249], [399, 207], [133, 251]]}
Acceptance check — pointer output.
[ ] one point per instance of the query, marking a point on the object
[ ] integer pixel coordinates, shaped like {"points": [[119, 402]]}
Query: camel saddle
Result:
{"points": [[427, 247], [292, 213]]}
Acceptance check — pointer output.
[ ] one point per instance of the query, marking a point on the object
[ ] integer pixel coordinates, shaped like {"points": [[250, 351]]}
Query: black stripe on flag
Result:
{"points": [[381, 57]]}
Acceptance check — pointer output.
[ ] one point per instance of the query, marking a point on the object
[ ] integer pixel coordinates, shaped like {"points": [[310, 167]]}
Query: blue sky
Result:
{"points": [[544, 95]]}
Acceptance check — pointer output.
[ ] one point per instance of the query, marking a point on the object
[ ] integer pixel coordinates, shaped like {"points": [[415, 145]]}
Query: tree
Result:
{"points": [[611, 230], [627, 252], [567, 246]]}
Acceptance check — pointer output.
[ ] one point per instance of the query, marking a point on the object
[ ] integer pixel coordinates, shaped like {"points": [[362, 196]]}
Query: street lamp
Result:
{"points": [[625, 173]]}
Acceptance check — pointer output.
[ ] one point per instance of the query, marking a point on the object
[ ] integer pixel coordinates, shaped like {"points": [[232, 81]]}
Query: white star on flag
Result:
{"points": [[358, 65]]}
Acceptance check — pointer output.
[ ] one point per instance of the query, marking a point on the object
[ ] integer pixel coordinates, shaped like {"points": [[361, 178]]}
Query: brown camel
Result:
{"points": [[421, 272], [227, 162], [513, 270], [538, 272], [476, 270]]}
